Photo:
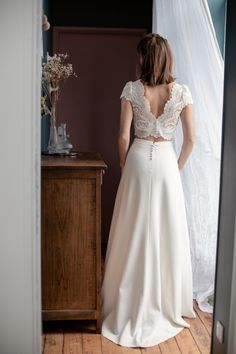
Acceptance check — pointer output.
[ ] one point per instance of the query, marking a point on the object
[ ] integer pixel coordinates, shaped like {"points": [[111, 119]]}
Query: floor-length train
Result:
{"points": [[147, 284]]}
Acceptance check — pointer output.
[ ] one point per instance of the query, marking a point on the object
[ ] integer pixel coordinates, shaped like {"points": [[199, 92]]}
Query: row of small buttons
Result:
{"points": [[151, 150]]}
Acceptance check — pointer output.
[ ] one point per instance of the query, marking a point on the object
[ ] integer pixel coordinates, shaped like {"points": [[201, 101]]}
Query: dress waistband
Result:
{"points": [[150, 142]]}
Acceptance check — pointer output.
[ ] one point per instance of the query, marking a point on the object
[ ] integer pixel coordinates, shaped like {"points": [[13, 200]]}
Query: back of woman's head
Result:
{"points": [[156, 60]]}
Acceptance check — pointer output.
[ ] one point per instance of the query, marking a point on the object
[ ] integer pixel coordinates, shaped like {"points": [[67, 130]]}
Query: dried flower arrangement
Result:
{"points": [[55, 71]]}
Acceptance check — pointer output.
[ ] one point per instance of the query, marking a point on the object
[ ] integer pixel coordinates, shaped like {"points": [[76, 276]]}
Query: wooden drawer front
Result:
{"points": [[69, 240]]}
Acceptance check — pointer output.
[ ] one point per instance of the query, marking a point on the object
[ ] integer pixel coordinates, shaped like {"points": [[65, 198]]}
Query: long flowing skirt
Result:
{"points": [[147, 283]]}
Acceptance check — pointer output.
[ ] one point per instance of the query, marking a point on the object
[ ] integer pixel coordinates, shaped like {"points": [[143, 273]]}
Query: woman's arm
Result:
{"points": [[126, 116], [188, 126]]}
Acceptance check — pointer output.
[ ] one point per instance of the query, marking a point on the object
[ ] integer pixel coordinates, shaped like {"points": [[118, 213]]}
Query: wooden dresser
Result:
{"points": [[71, 237]]}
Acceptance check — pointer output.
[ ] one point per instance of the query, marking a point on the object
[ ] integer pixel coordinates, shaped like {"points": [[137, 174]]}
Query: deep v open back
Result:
{"points": [[145, 122], [156, 116]]}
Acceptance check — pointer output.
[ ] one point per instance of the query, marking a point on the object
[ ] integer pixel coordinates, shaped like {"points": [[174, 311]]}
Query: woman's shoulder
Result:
{"points": [[183, 86], [131, 83], [129, 89], [186, 93]]}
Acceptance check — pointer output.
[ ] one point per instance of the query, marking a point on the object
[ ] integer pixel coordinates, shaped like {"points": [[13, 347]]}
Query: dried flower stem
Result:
{"points": [[55, 72]]}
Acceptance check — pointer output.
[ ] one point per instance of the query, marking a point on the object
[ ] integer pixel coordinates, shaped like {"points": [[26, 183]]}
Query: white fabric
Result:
{"points": [[147, 283], [188, 27], [145, 122]]}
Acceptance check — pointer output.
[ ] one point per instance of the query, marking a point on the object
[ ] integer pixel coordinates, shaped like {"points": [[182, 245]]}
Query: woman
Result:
{"points": [[147, 284]]}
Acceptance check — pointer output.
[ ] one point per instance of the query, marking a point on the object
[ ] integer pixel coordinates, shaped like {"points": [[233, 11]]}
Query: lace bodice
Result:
{"points": [[145, 122]]}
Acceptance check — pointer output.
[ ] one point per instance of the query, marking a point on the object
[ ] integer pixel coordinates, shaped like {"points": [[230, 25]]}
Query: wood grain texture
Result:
{"points": [[128, 350], [69, 244], [71, 239], [84, 160], [152, 350], [205, 317], [200, 334], [108, 347], [186, 342], [53, 343], [92, 343], [195, 339], [170, 346], [43, 341], [73, 343]]}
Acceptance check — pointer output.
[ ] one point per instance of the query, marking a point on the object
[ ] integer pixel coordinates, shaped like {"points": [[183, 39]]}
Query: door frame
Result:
{"points": [[225, 275], [20, 260]]}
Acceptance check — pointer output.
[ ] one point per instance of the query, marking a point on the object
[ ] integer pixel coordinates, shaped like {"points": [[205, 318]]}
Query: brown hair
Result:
{"points": [[157, 60]]}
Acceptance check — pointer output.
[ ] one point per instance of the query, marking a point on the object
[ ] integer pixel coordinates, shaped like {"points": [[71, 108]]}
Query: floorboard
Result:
{"points": [[170, 346], [73, 343], [186, 342], [53, 343], [79, 337], [205, 317]]}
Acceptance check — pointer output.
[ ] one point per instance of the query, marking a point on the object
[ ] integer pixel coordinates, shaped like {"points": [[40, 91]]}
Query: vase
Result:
{"points": [[52, 143], [63, 145]]}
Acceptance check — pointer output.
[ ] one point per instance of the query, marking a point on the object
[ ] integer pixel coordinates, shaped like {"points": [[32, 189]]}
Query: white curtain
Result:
{"points": [[188, 27]]}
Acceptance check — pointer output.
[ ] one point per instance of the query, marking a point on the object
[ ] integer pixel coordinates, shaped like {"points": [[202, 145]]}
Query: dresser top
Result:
{"points": [[84, 160]]}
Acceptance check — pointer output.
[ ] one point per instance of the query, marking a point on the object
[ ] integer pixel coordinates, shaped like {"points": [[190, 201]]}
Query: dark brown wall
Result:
{"points": [[104, 58]]}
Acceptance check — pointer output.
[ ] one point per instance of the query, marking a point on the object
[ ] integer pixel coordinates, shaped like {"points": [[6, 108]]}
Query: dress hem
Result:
{"points": [[122, 343]]}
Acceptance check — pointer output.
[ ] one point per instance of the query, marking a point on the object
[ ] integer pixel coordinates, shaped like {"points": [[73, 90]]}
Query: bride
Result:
{"points": [[147, 282]]}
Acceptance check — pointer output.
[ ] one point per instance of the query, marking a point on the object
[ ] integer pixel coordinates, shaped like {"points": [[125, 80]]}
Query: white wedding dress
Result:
{"points": [[147, 283]]}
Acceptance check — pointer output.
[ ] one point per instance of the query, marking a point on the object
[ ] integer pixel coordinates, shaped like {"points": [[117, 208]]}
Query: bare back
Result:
{"points": [[157, 98]]}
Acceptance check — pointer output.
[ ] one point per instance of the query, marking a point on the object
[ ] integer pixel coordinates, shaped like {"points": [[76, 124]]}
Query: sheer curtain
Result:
{"points": [[188, 27]]}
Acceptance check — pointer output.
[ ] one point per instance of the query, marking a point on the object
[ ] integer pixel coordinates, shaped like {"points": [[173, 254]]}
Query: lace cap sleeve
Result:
{"points": [[186, 96], [127, 91]]}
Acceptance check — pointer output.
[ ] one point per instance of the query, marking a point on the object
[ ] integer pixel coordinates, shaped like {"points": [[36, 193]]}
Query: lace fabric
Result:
{"points": [[145, 122]]}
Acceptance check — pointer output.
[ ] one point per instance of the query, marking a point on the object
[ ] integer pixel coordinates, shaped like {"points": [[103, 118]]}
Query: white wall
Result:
{"points": [[20, 34]]}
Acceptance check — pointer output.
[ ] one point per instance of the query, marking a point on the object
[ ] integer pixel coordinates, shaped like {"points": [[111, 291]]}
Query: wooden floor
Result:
{"points": [[67, 339]]}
